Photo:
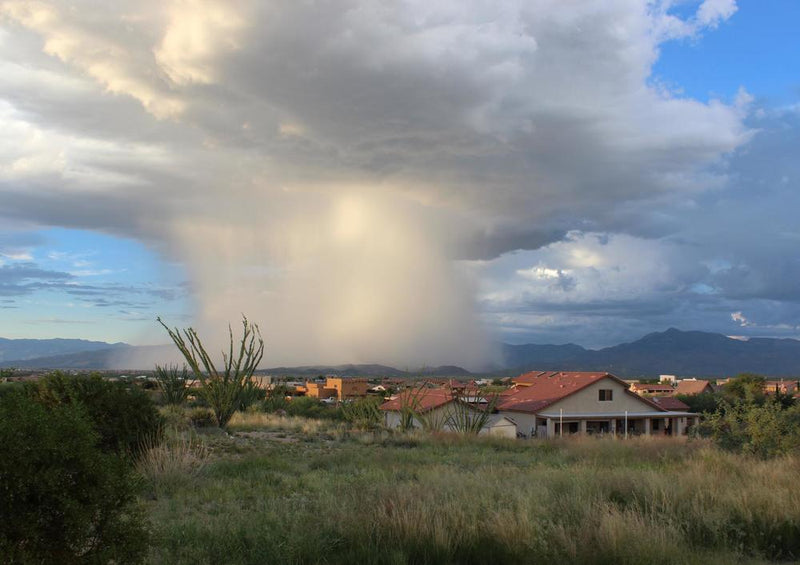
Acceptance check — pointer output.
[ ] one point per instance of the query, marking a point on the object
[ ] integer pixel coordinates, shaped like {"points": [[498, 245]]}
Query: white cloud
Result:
{"points": [[327, 161], [712, 12]]}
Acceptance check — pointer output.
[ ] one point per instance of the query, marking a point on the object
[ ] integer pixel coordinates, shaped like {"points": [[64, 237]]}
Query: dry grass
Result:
{"points": [[178, 458], [262, 421], [379, 497]]}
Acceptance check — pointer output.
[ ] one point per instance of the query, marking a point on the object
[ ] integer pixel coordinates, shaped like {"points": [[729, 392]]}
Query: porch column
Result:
{"points": [[647, 426], [582, 427], [678, 427], [613, 426], [551, 428]]}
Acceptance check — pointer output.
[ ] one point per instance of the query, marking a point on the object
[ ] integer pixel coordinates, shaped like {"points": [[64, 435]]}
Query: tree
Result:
{"points": [[223, 390], [123, 414], [745, 386], [62, 498]]}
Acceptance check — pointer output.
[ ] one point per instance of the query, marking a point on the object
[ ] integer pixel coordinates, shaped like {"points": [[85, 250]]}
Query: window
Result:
{"points": [[606, 394]]}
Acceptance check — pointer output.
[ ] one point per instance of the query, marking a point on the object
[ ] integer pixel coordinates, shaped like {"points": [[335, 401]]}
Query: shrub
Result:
{"points": [[177, 459], [764, 430], [251, 393], [62, 499], [123, 415], [707, 402], [173, 383], [309, 407], [202, 418], [363, 413], [276, 399]]}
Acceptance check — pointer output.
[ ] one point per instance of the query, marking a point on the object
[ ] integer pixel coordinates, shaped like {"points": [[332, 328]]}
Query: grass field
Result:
{"points": [[282, 490]]}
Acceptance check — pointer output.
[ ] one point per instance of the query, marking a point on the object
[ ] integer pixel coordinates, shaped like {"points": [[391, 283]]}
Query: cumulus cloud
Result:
{"points": [[324, 165]]}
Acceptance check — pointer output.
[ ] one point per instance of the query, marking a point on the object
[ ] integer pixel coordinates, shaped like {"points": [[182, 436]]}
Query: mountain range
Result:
{"points": [[683, 353]]}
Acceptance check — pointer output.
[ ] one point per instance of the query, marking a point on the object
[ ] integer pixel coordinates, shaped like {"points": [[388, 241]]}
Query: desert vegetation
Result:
{"points": [[303, 482], [285, 489]]}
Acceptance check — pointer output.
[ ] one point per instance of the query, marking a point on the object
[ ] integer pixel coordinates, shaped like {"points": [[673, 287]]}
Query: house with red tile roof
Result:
{"points": [[693, 386], [430, 408], [556, 403]]}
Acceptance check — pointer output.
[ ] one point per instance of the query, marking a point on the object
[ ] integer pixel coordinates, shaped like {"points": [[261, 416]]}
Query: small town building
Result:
{"points": [[427, 407], [693, 386], [340, 388], [651, 388]]}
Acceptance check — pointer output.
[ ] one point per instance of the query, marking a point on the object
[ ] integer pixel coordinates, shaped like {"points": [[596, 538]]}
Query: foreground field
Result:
{"points": [[279, 490]]}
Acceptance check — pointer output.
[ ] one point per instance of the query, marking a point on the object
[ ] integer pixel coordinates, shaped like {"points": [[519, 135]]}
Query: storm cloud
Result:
{"points": [[396, 182]]}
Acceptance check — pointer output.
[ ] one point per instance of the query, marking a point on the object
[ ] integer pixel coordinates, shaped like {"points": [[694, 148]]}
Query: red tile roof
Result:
{"points": [[540, 389], [693, 387], [420, 399], [670, 403], [532, 377], [651, 388]]}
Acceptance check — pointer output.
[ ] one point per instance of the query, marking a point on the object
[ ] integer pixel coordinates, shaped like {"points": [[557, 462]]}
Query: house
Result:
{"points": [[650, 388], [552, 404], [693, 386], [500, 426], [431, 407], [341, 388], [782, 386]]}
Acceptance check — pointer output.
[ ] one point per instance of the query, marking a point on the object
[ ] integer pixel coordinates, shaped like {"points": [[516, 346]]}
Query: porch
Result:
{"points": [[549, 425]]}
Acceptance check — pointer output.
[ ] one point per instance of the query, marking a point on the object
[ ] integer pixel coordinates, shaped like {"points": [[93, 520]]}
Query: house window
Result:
{"points": [[606, 394]]}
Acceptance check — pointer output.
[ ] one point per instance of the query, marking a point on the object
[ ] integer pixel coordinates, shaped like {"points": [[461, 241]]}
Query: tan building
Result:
{"points": [[347, 387], [555, 404], [341, 388], [651, 388]]}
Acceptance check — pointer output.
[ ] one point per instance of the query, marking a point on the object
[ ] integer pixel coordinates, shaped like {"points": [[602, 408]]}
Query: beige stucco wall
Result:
{"points": [[524, 420], [586, 400], [502, 429]]}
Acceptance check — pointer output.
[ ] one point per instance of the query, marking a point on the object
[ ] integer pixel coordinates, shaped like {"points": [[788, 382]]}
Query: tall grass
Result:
{"points": [[415, 498], [173, 462]]}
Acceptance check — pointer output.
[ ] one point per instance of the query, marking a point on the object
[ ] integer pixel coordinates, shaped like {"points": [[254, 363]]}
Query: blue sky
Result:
{"points": [[756, 49], [89, 286], [400, 182]]}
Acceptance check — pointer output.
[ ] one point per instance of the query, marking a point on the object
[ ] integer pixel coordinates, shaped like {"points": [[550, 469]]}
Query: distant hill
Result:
{"points": [[367, 371], [684, 353], [24, 349], [672, 352]]}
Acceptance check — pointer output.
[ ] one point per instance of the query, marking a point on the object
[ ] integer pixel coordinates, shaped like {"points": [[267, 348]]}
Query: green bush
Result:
{"points": [[707, 402], [202, 418], [764, 430], [124, 416], [62, 499], [363, 413], [309, 407], [173, 383]]}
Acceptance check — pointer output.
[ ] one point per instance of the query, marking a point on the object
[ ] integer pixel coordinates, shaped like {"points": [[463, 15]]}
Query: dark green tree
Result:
{"points": [[63, 499]]}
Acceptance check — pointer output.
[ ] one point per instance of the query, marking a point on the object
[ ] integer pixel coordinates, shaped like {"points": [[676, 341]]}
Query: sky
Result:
{"points": [[399, 182]]}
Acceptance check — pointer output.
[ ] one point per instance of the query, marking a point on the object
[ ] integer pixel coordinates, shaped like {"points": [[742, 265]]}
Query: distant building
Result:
{"points": [[341, 388], [667, 379], [651, 389], [693, 386]]}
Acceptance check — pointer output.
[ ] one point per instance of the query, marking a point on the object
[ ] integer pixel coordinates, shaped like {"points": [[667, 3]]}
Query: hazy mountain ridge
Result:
{"points": [[685, 353], [25, 349], [672, 352]]}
